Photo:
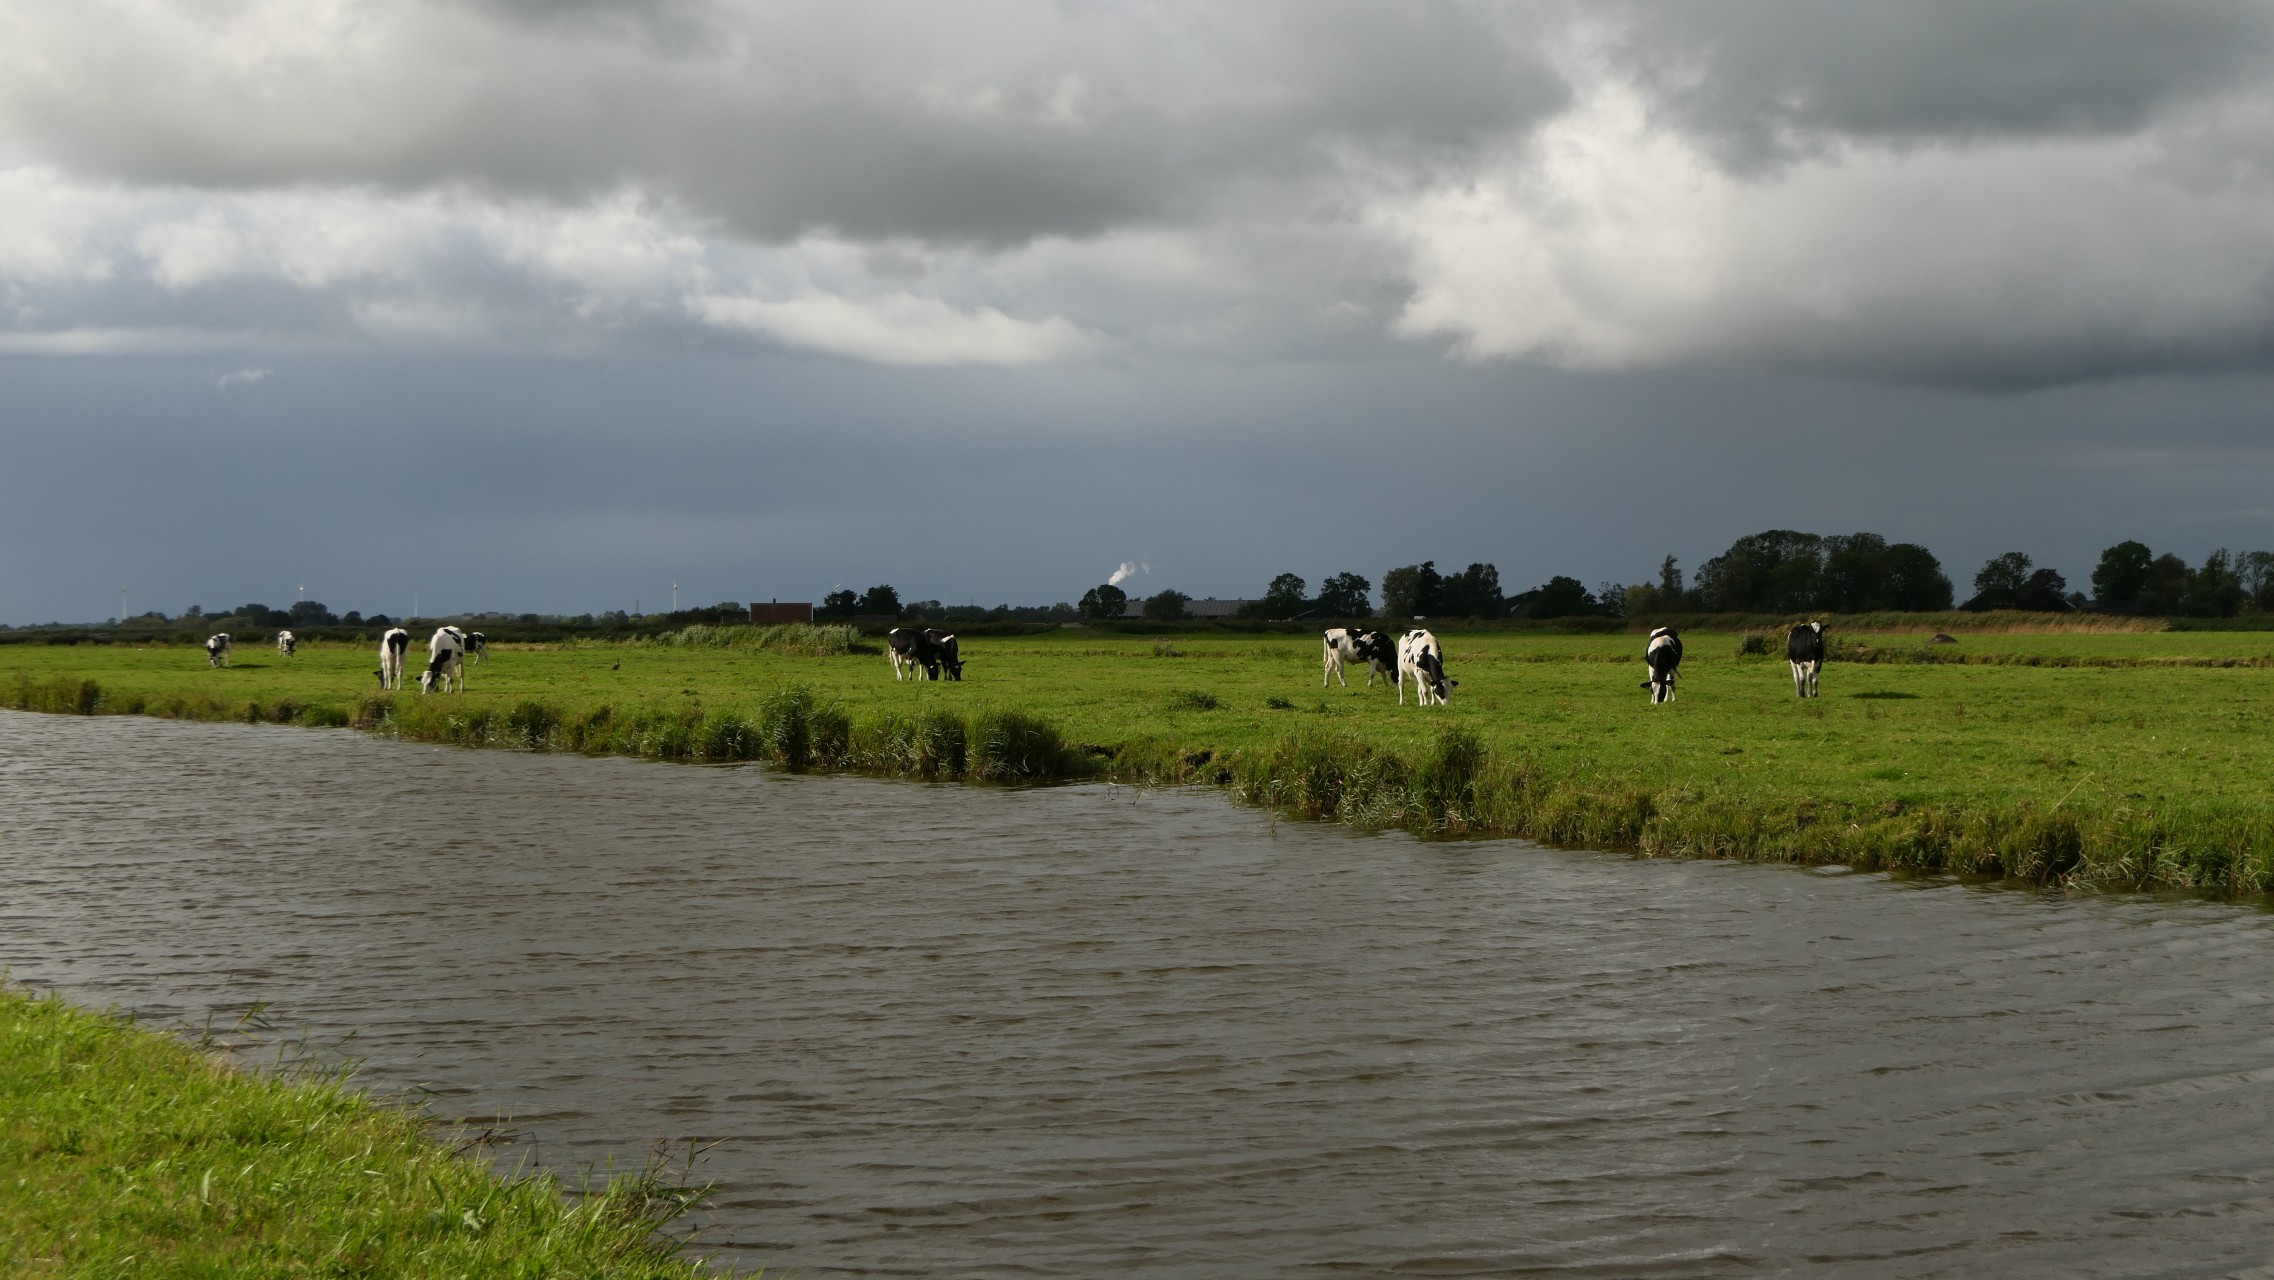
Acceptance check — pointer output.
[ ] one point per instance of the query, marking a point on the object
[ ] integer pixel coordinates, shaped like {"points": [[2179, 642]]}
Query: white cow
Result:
{"points": [[1422, 658], [394, 647], [445, 662], [477, 647], [217, 650], [1345, 645], [285, 644]]}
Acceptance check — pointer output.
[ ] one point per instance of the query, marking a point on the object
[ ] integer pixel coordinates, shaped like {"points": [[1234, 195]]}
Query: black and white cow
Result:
{"points": [[394, 647], [477, 647], [445, 662], [1345, 645], [1805, 649], [1664, 658], [217, 650], [285, 644], [1423, 659], [921, 655]]}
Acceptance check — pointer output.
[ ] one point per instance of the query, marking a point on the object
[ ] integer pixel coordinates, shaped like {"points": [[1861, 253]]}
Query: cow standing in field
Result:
{"points": [[285, 644], [477, 647], [394, 647], [1344, 646], [920, 655], [1805, 649], [1664, 658], [445, 662], [217, 650], [1422, 658]]}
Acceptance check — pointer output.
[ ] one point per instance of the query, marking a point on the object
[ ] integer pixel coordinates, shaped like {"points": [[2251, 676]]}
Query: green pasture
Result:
{"points": [[124, 1152], [2116, 757]]}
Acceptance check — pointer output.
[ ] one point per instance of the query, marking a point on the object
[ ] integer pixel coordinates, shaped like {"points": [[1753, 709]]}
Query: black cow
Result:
{"points": [[1805, 648], [1377, 651], [1664, 658], [920, 655]]}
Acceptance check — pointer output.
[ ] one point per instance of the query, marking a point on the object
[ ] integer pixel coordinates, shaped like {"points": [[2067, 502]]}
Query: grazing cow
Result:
{"points": [[394, 647], [1344, 645], [1805, 648], [445, 662], [217, 650], [1664, 658], [1420, 656], [477, 646], [919, 655], [285, 644], [951, 660]]}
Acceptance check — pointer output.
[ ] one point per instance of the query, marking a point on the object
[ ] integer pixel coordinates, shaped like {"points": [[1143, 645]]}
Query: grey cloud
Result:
{"points": [[1764, 78], [986, 125]]}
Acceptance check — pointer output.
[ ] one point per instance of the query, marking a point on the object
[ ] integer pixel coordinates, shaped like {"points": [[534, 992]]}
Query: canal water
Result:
{"points": [[1095, 1031]]}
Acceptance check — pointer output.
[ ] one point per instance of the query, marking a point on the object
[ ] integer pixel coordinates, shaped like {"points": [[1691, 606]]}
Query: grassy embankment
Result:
{"points": [[124, 1152], [2084, 754]]}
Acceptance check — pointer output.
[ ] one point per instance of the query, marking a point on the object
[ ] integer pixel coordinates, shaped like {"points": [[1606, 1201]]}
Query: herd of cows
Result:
{"points": [[446, 655], [928, 654], [1417, 656]]}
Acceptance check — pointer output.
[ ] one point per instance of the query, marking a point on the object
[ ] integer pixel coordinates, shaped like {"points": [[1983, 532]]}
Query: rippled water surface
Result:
{"points": [[1088, 1031]]}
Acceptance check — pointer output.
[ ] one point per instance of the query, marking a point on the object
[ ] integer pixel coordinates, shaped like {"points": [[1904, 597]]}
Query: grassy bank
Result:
{"points": [[2086, 755], [124, 1152]]}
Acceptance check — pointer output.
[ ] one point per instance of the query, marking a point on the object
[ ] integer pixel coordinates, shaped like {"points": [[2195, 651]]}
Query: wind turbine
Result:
{"points": [[122, 606], [675, 597]]}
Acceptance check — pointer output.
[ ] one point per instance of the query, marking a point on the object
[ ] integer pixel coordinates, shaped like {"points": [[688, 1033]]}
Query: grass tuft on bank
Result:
{"points": [[125, 1152]]}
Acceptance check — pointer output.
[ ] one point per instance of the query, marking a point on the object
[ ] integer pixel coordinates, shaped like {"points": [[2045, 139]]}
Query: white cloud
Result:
{"points": [[242, 377], [899, 328], [1129, 569]]}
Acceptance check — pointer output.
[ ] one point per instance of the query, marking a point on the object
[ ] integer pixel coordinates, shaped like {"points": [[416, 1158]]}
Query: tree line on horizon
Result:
{"points": [[1776, 571]]}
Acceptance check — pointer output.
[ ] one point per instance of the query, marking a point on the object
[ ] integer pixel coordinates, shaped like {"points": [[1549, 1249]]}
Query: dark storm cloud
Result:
{"points": [[1767, 76]]}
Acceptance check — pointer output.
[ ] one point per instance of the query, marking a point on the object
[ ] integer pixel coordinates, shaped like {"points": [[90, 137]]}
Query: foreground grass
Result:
{"points": [[127, 1153], [2079, 756]]}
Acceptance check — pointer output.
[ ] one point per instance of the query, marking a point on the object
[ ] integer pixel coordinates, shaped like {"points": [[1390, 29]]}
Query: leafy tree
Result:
{"points": [[1104, 601], [1168, 606], [839, 604], [881, 601], [1559, 597], [1670, 577], [1854, 578], [1774, 571], [2122, 575], [2165, 591], [311, 613], [1999, 584], [352, 618], [382, 620], [1284, 597], [1914, 581], [1346, 595], [262, 615], [2255, 569], [1415, 591], [1472, 593], [2044, 592], [2216, 590], [1612, 597]]}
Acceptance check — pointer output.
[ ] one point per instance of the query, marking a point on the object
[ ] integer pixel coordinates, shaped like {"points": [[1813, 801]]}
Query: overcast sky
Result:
{"points": [[525, 305]]}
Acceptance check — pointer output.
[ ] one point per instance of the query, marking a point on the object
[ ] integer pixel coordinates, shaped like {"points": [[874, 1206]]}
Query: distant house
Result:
{"points": [[777, 612], [1209, 608]]}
